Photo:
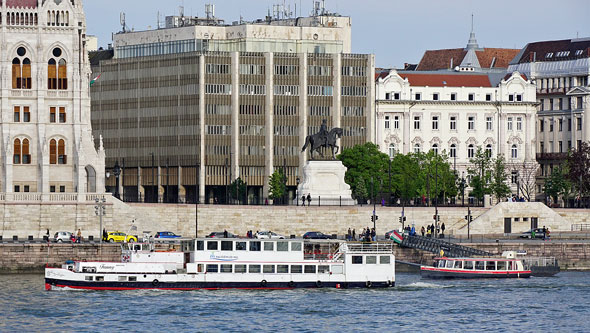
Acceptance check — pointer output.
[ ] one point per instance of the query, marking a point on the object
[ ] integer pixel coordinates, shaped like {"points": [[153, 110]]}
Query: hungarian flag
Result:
{"points": [[396, 237], [95, 79]]}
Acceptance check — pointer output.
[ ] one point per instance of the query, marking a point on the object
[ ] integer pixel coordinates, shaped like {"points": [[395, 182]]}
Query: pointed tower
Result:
{"points": [[470, 61]]}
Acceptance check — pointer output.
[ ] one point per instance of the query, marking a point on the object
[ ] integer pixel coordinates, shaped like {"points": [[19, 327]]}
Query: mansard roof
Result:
{"points": [[22, 3], [433, 60], [446, 80], [554, 50]]}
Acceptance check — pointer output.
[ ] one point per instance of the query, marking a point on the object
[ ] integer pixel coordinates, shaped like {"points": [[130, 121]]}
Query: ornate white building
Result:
{"points": [[457, 112], [47, 143]]}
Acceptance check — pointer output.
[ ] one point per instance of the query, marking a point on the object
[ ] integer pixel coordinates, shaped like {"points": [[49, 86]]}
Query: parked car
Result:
{"points": [[268, 235], [118, 237], [62, 236], [221, 235], [166, 234], [538, 233], [315, 235]]}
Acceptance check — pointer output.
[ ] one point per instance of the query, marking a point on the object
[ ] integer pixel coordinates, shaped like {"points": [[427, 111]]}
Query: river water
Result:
{"points": [[560, 303]]}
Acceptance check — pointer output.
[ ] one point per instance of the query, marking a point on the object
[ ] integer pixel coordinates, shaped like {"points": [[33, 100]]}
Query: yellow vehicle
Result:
{"points": [[118, 236]]}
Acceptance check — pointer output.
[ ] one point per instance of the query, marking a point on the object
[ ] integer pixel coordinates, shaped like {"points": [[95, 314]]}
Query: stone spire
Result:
{"points": [[470, 59]]}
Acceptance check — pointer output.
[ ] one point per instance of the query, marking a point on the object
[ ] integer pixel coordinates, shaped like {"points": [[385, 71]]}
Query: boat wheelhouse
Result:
{"points": [[470, 268], [236, 263]]}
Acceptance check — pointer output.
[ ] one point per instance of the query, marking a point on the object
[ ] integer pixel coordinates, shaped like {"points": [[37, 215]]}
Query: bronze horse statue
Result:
{"points": [[317, 141]]}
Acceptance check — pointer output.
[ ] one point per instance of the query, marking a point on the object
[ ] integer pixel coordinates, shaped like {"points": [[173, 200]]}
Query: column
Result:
{"points": [[528, 149], [337, 92], [371, 99], [268, 123], [406, 129], [202, 167], [235, 115], [586, 118], [302, 109], [502, 133]]}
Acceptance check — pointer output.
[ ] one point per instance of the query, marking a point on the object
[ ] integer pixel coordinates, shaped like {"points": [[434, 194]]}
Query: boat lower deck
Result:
{"points": [[438, 273]]}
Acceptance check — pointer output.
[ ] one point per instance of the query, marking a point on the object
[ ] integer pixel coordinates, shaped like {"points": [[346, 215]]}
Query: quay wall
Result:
{"points": [[33, 219], [32, 258]]}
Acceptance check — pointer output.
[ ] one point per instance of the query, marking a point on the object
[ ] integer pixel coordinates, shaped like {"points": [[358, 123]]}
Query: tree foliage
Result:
{"points": [[480, 173], [365, 162], [237, 189], [276, 184], [498, 186], [578, 163]]}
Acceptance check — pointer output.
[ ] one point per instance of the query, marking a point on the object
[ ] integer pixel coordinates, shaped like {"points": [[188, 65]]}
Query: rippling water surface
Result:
{"points": [[560, 303]]}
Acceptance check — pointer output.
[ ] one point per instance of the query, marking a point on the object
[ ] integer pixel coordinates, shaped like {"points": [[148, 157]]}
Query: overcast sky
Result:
{"points": [[396, 31]]}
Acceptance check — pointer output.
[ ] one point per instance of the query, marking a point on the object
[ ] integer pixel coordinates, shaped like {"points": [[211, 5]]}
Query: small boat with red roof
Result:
{"points": [[506, 266]]}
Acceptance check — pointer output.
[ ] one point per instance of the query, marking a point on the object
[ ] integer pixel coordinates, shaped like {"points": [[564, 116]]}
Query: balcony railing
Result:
{"points": [[551, 156], [35, 197]]}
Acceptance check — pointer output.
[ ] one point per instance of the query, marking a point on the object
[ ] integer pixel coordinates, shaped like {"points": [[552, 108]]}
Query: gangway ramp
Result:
{"points": [[434, 245]]}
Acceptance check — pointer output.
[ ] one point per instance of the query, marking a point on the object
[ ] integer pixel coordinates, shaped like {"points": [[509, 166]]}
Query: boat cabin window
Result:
{"points": [[269, 246], [200, 245], [99, 278], [490, 265], [212, 268], [226, 268], [268, 269], [450, 264], [479, 265], [254, 246], [88, 278], [282, 269], [240, 269], [122, 279], [296, 246], [339, 269], [441, 263], [513, 266], [254, 268], [240, 246], [132, 278], [502, 265], [324, 269], [468, 265], [310, 269], [357, 260], [137, 247], [458, 264], [371, 260], [212, 245], [296, 269], [227, 246], [200, 268], [282, 246], [384, 260]]}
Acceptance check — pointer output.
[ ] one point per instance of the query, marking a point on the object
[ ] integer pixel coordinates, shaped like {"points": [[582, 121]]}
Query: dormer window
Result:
{"points": [[563, 53], [579, 52], [549, 55]]}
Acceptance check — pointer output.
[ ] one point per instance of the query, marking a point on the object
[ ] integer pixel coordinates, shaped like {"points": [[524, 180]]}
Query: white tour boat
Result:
{"points": [[235, 263], [507, 266]]}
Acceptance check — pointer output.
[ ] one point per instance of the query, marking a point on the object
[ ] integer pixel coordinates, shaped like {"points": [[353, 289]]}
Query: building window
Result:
{"points": [[435, 149], [453, 123], [52, 188], [511, 98], [519, 98], [418, 96], [387, 95], [391, 150], [21, 70], [62, 189], [542, 146], [27, 188], [489, 150], [550, 103], [579, 102], [579, 124], [489, 123], [569, 144], [396, 122], [435, 97], [52, 117], [453, 96], [509, 123], [417, 148], [396, 96], [62, 114], [551, 125], [471, 97], [519, 123], [57, 73], [569, 124], [453, 151], [57, 152], [470, 151], [541, 104], [541, 125], [17, 152], [560, 143], [560, 104], [514, 177], [488, 97], [26, 114], [560, 125], [471, 123], [435, 122], [417, 122], [514, 151], [16, 188], [386, 122], [17, 114]]}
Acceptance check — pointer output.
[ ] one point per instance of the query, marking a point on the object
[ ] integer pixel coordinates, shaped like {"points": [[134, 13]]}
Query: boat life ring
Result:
{"points": [[368, 284], [155, 283], [319, 284], [291, 284], [263, 283]]}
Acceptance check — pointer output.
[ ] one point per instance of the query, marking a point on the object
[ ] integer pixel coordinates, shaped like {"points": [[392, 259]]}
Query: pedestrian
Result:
{"points": [[349, 235], [373, 235], [79, 236], [544, 232], [533, 234], [382, 202], [47, 235], [422, 231], [547, 234], [309, 199], [104, 234], [432, 229], [224, 233], [303, 200], [266, 201], [353, 234], [442, 228]]}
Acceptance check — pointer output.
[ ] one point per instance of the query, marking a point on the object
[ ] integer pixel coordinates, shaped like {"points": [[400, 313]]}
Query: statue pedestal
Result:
{"points": [[324, 181]]}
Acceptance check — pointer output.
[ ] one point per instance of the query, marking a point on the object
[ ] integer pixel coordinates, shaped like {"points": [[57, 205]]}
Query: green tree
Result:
{"points": [[498, 186], [480, 173], [365, 162], [237, 189], [276, 184], [404, 178], [555, 183], [578, 162], [360, 192]]}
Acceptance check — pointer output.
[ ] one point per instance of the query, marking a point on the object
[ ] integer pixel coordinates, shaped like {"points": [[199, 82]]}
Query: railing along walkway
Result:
{"points": [[435, 245]]}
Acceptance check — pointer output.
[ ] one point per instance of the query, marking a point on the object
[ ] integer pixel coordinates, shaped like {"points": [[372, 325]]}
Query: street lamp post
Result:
{"points": [[117, 173], [297, 191], [100, 211], [389, 189], [462, 188]]}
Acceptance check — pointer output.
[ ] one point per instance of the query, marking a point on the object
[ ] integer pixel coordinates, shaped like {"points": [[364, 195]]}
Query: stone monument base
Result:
{"points": [[324, 181]]}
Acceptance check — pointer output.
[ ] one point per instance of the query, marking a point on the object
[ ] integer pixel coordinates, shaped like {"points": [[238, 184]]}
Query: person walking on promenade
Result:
{"points": [[308, 199], [353, 234], [47, 235], [79, 236], [533, 234], [442, 228], [544, 232], [422, 231], [373, 235], [349, 235], [104, 234], [303, 200]]}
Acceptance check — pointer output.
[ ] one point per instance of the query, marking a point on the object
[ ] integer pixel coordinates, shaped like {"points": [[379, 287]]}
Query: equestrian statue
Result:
{"points": [[323, 139]]}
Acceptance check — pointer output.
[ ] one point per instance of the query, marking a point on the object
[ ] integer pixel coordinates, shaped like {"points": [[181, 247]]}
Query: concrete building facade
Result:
{"points": [[46, 143]]}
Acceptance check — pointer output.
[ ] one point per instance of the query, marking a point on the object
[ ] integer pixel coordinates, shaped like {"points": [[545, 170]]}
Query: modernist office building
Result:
{"points": [[46, 141], [186, 121]]}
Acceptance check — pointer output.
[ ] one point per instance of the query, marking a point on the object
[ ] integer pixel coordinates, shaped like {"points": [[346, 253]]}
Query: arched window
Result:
{"points": [[21, 70], [391, 150], [26, 155], [453, 151], [57, 72], [17, 152], [417, 148], [62, 158], [62, 75], [489, 150], [470, 151], [53, 151], [16, 74], [435, 149], [51, 74], [514, 151]]}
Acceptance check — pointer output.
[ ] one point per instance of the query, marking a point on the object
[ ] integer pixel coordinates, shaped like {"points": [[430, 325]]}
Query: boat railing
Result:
{"points": [[539, 261], [363, 247]]}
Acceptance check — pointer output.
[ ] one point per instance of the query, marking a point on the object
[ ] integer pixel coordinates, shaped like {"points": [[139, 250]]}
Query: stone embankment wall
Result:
{"points": [[24, 219]]}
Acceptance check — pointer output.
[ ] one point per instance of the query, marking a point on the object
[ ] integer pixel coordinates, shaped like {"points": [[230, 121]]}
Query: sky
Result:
{"points": [[396, 31]]}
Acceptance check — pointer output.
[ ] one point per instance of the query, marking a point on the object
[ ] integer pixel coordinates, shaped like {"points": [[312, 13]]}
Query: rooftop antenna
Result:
{"points": [[471, 22], [158, 20], [123, 24]]}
